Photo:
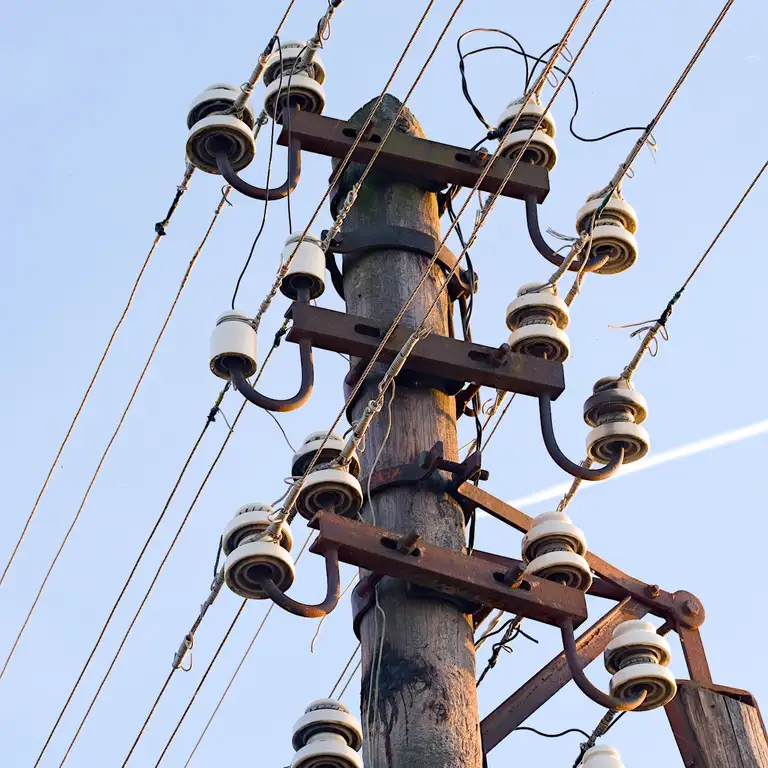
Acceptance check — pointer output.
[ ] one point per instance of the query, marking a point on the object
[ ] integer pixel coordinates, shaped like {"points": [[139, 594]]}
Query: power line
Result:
{"points": [[148, 362], [665, 315], [160, 518], [162, 563], [159, 233]]}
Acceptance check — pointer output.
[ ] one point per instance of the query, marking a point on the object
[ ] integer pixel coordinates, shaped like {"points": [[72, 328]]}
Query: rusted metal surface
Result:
{"points": [[554, 676], [682, 608], [453, 573], [414, 159], [452, 359], [356, 244], [695, 656]]}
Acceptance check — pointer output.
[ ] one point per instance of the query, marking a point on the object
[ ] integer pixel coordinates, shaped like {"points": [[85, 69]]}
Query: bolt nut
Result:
{"points": [[691, 608], [653, 590]]}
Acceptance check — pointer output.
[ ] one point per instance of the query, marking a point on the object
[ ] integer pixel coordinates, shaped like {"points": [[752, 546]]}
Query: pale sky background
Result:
{"points": [[96, 102]]}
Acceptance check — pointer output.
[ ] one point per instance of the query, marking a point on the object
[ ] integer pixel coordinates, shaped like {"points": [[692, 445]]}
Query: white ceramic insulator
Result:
{"points": [[326, 753], [604, 402], [290, 51], [330, 451], [528, 303], [532, 109], [541, 340], [603, 440], [307, 264], [302, 91], [623, 244], [224, 129], [540, 151], [635, 637], [658, 681], [233, 336], [334, 490], [249, 523], [563, 567], [553, 525], [218, 98], [601, 757], [327, 716], [264, 554], [616, 206]]}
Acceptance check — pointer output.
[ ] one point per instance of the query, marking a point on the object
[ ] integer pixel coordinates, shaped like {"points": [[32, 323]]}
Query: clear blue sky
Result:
{"points": [[96, 102]]}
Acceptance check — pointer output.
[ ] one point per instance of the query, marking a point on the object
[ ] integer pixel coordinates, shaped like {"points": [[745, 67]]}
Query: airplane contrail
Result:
{"points": [[691, 449]]}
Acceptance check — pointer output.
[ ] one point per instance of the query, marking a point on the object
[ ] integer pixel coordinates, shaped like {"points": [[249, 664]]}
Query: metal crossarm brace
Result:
{"points": [[426, 163], [451, 359], [473, 579]]}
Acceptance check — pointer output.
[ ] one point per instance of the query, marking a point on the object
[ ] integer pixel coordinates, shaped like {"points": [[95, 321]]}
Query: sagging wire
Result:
{"points": [[167, 555], [344, 672], [160, 231], [659, 326], [462, 68], [265, 210], [115, 433]]}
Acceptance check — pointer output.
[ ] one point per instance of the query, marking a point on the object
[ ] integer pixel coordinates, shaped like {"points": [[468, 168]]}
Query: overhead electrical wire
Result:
{"points": [[340, 169], [158, 571], [116, 431], [647, 132], [160, 231], [482, 176]]}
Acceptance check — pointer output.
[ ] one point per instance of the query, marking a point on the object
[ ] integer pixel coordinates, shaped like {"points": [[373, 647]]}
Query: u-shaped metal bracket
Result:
{"points": [[585, 686], [274, 593], [259, 193], [541, 245], [562, 461]]}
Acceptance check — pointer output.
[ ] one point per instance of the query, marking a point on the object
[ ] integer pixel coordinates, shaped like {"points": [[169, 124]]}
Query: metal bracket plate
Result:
{"points": [[414, 158], [451, 359], [454, 573], [355, 244]]}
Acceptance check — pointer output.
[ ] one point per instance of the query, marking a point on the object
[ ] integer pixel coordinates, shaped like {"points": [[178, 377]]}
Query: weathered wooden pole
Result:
{"points": [[425, 710], [717, 727]]}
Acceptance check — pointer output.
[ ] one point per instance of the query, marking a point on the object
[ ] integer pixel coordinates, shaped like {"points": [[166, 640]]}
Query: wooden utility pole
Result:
{"points": [[426, 712], [717, 727]]}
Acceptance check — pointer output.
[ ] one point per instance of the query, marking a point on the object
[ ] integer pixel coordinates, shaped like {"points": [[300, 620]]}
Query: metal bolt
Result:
{"points": [[691, 608], [653, 590]]}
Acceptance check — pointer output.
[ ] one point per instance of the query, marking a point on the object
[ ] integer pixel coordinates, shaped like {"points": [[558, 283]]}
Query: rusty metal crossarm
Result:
{"points": [[438, 355], [682, 608], [415, 159], [453, 573]]}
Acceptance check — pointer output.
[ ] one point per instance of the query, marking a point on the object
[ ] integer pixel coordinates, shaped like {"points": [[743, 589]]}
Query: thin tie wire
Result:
{"points": [[159, 233], [283, 271], [287, 513], [209, 420], [607, 721], [492, 624], [210, 666], [510, 633], [148, 362], [660, 324], [344, 671], [165, 558]]}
